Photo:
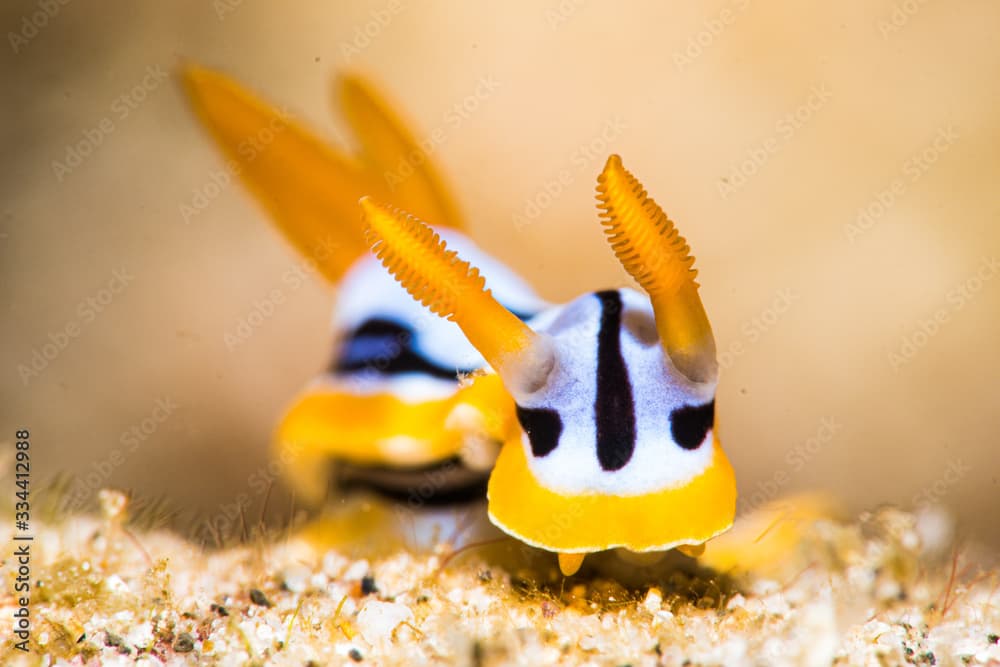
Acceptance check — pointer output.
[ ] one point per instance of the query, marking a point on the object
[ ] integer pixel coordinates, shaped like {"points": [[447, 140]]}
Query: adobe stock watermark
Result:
{"points": [[366, 33], [224, 8], [34, 23], [431, 483], [901, 14], [581, 159], [264, 308], [95, 478], [785, 129], [711, 29], [756, 327], [956, 298], [561, 12], [454, 118], [87, 310], [934, 493], [259, 482], [913, 169], [248, 150], [796, 459], [121, 108]]}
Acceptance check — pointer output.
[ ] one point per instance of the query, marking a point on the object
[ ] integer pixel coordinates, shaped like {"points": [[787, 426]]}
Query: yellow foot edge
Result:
{"points": [[692, 550], [569, 564]]}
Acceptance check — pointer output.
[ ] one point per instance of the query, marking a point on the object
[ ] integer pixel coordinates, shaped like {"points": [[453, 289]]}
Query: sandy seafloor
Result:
{"points": [[885, 588]]}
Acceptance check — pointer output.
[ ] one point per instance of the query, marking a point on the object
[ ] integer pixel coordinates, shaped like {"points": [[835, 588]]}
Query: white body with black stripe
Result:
{"points": [[422, 356], [630, 424], [435, 350]]}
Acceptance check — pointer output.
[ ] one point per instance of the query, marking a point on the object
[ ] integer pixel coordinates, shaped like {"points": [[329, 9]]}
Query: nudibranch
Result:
{"points": [[589, 425]]}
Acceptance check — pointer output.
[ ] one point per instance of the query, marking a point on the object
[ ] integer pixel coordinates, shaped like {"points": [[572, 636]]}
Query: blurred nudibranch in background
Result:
{"points": [[588, 425]]}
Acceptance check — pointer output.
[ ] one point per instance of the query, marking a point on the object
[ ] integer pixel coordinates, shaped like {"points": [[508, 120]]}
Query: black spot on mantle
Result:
{"points": [[689, 424], [543, 426]]}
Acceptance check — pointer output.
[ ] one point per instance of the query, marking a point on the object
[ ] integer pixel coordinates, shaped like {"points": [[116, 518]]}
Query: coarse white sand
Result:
{"points": [[888, 588]]}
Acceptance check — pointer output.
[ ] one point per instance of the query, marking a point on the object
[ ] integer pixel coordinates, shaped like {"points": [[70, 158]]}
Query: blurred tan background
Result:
{"points": [[834, 166]]}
